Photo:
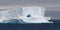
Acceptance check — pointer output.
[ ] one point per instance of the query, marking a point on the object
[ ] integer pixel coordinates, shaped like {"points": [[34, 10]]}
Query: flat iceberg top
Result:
{"points": [[32, 14]]}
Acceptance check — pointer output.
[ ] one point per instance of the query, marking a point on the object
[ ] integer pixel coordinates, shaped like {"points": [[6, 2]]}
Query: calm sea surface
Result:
{"points": [[46, 26]]}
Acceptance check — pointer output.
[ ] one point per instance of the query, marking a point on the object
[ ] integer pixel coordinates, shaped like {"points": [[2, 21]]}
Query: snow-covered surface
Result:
{"points": [[36, 15]]}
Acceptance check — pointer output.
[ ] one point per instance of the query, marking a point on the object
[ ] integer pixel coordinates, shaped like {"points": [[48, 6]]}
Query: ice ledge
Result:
{"points": [[36, 20]]}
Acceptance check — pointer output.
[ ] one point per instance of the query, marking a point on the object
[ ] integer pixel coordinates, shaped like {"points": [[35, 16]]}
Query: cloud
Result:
{"points": [[50, 5], [28, 2]]}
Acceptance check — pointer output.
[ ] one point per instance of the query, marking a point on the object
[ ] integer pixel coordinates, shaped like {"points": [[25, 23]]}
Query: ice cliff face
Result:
{"points": [[10, 14], [27, 14], [34, 15]]}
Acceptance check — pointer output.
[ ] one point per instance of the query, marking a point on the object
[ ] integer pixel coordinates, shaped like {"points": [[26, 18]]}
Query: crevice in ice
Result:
{"points": [[28, 15]]}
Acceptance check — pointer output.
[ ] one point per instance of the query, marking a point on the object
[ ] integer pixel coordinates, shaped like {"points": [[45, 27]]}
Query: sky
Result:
{"points": [[52, 6]]}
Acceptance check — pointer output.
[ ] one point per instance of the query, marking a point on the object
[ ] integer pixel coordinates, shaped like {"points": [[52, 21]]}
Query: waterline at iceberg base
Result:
{"points": [[33, 14]]}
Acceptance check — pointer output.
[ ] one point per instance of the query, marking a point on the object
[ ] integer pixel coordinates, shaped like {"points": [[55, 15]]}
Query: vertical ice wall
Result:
{"points": [[15, 13], [34, 11], [34, 14], [10, 14]]}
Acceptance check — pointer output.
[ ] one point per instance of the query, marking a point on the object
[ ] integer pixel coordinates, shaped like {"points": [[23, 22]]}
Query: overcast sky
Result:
{"points": [[52, 6]]}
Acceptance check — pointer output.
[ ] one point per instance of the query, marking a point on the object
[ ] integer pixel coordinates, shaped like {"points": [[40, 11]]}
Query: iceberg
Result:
{"points": [[32, 14]]}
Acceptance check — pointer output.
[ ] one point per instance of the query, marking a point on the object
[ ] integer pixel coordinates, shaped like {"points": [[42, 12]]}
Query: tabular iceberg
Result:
{"points": [[32, 14]]}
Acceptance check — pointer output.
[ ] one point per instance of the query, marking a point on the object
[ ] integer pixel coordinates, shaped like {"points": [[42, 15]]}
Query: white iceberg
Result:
{"points": [[32, 14]]}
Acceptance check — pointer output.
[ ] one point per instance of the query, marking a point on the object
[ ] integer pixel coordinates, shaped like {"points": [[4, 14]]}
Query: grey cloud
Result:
{"points": [[28, 2], [53, 9], [45, 3], [53, 14]]}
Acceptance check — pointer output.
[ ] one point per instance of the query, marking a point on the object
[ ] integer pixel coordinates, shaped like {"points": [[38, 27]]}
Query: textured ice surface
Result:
{"points": [[27, 14], [36, 15], [10, 14]]}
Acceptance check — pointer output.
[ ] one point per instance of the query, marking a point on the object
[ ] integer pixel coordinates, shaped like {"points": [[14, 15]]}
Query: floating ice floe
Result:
{"points": [[32, 14]]}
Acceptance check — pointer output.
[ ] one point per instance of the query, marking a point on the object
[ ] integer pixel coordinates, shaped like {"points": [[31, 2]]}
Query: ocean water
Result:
{"points": [[38, 26]]}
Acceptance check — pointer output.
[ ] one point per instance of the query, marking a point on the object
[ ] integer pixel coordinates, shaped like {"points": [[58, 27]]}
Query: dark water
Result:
{"points": [[46, 26]]}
